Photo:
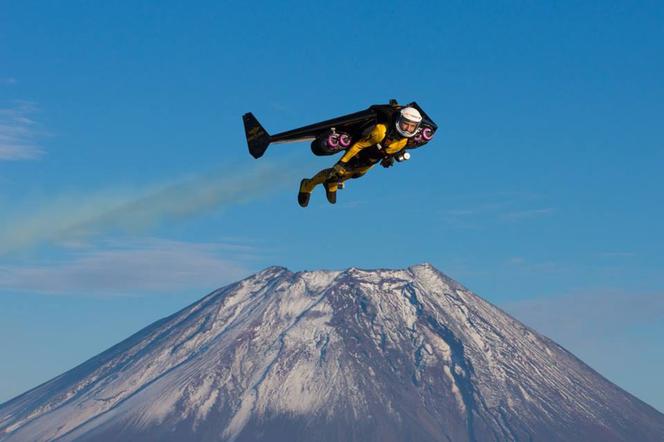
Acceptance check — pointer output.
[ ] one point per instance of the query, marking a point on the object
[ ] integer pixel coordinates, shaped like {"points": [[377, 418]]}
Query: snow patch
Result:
{"points": [[454, 388], [241, 417]]}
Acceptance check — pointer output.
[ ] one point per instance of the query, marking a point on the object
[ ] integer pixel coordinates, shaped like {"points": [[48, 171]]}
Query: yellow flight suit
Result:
{"points": [[354, 166]]}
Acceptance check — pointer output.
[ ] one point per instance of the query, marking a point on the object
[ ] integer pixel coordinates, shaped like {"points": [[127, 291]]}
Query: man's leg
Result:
{"points": [[331, 181], [308, 185], [356, 173], [332, 185]]}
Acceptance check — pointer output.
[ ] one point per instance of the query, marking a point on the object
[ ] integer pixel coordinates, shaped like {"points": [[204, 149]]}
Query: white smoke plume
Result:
{"points": [[72, 217]]}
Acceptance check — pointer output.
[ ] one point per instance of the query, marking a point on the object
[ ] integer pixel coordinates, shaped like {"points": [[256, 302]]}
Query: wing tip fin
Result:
{"points": [[257, 137]]}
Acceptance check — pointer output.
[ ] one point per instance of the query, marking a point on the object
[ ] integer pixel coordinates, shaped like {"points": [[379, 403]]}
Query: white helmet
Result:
{"points": [[408, 121]]}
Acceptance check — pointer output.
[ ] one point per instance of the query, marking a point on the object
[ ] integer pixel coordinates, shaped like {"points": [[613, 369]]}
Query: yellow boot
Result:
{"points": [[303, 196], [331, 191], [307, 186]]}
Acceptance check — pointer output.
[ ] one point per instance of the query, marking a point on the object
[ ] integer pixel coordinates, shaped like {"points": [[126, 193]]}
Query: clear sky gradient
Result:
{"points": [[127, 192]]}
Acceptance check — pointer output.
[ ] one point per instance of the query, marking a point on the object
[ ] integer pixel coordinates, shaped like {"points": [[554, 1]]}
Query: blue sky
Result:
{"points": [[126, 190]]}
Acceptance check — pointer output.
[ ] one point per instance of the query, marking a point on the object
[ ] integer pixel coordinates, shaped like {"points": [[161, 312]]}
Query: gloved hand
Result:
{"points": [[387, 162]]}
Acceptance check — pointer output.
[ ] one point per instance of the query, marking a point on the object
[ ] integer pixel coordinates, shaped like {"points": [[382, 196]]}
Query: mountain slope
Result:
{"points": [[355, 355]]}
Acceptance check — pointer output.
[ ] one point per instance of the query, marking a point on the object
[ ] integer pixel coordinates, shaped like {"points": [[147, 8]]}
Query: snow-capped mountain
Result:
{"points": [[384, 355]]}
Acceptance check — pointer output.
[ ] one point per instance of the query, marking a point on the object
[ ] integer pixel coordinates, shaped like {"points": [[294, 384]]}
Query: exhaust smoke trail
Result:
{"points": [[71, 217]]}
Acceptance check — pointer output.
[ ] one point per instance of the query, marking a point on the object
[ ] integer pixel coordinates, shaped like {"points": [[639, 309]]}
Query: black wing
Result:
{"points": [[426, 120], [259, 139]]}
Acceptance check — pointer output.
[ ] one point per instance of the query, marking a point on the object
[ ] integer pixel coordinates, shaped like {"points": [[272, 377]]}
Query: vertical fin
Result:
{"points": [[257, 137]]}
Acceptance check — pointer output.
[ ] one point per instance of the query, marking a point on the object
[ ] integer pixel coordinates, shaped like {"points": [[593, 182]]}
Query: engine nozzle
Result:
{"points": [[335, 141], [424, 135]]}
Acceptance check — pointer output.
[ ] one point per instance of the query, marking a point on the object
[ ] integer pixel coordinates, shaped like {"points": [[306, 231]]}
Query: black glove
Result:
{"points": [[387, 162]]}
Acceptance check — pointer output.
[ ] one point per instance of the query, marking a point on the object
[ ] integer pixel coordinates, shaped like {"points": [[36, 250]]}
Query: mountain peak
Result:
{"points": [[405, 354]]}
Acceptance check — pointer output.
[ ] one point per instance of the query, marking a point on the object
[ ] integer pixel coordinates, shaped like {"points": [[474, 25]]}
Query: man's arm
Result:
{"points": [[376, 135]]}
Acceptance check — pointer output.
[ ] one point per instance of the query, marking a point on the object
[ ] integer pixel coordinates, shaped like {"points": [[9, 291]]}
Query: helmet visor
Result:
{"points": [[408, 126]]}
